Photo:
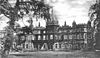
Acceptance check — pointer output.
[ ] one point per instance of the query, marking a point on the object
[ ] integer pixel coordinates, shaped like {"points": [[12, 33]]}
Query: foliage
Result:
{"points": [[94, 13], [38, 9]]}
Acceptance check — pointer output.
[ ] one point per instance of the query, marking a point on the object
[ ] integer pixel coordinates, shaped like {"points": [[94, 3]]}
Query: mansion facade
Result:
{"points": [[55, 37]]}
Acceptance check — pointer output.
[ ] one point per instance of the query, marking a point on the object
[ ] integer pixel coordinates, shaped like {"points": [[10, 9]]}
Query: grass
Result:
{"points": [[58, 55]]}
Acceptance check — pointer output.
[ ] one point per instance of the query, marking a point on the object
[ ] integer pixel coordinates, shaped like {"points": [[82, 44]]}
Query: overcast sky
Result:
{"points": [[66, 10], [69, 10]]}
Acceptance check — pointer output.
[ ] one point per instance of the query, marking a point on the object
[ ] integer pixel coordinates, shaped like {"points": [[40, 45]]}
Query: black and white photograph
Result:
{"points": [[49, 28]]}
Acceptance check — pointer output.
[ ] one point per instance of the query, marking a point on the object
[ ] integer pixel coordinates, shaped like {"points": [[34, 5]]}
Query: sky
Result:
{"points": [[66, 10], [72, 10]]}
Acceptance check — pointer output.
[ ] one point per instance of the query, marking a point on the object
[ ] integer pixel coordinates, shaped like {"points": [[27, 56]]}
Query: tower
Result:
{"points": [[65, 23], [51, 29], [52, 23], [96, 26], [74, 24]]}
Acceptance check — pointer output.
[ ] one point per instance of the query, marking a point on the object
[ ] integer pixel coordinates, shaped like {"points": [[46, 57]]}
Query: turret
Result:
{"points": [[53, 19], [65, 23], [39, 24], [74, 24]]}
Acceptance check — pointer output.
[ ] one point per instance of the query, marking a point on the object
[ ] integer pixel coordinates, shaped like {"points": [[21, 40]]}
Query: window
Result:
{"points": [[39, 32], [56, 45], [59, 45], [47, 37], [20, 0], [71, 30], [44, 37], [25, 0], [59, 36], [81, 36], [39, 37], [23, 45], [29, 37], [22, 38], [85, 30], [65, 36], [33, 37], [65, 30], [56, 37], [51, 36], [26, 45], [70, 36], [60, 31], [78, 36], [74, 36], [44, 32], [38, 0]]}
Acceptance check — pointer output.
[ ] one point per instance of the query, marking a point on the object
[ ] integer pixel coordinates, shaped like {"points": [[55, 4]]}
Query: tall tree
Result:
{"points": [[94, 13], [37, 8]]}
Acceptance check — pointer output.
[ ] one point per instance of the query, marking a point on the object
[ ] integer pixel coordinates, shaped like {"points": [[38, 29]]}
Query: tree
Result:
{"points": [[94, 13], [37, 8]]}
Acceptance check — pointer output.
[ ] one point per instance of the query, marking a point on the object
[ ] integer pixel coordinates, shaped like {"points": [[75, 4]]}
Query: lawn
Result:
{"points": [[50, 54]]}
